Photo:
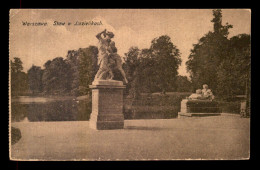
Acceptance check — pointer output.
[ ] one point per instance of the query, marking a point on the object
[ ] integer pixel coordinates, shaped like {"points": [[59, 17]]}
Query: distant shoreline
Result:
{"points": [[50, 97]]}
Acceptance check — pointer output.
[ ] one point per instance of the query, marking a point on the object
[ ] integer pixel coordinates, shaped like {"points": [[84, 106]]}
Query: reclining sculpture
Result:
{"points": [[204, 94], [200, 103]]}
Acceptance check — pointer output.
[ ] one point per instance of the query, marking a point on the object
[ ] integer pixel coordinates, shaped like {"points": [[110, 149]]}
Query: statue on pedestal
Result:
{"points": [[107, 94], [108, 59], [199, 104]]}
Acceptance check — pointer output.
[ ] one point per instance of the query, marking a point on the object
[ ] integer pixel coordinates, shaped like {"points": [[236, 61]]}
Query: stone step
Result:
{"points": [[185, 114], [107, 117], [106, 125]]}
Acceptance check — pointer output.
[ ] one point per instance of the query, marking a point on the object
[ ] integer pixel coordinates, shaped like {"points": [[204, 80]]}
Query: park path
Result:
{"points": [[215, 137]]}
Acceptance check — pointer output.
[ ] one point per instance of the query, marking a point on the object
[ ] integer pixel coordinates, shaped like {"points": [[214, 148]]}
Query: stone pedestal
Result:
{"points": [[191, 108], [107, 105]]}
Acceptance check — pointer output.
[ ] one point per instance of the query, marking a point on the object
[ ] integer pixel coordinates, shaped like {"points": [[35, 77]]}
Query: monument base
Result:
{"points": [[181, 114], [107, 105], [190, 108]]}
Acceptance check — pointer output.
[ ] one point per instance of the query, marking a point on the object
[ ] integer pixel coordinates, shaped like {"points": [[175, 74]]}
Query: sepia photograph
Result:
{"points": [[129, 84]]}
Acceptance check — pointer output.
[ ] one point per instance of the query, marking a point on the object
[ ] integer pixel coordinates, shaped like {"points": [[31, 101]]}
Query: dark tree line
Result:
{"points": [[60, 76], [148, 70], [72, 75]]}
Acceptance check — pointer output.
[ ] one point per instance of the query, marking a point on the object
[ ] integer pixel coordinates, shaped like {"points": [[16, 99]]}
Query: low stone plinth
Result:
{"points": [[107, 105], [199, 108]]}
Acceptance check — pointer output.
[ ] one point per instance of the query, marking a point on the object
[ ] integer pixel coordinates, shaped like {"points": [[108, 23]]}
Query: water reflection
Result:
{"points": [[46, 109], [35, 109], [28, 99]]}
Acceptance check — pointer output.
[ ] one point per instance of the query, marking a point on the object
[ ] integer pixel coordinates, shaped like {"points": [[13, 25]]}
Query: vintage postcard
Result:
{"points": [[129, 84]]}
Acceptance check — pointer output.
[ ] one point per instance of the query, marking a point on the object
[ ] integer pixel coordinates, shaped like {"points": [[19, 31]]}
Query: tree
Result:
{"points": [[160, 64], [167, 61], [183, 84], [19, 84], [17, 65], [73, 61], [72, 75], [35, 79], [154, 69], [207, 55], [131, 65], [56, 76], [87, 68], [234, 71], [146, 72], [83, 67]]}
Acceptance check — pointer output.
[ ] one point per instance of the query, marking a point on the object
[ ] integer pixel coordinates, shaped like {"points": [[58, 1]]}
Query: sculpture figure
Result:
{"points": [[115, 60], [108, 59], [207, 93], [196, 96], [104, 39], [204, 94]]}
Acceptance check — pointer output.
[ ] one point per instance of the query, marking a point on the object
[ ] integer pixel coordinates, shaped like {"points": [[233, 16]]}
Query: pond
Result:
{"points": [[67, 108], [26, 108]]}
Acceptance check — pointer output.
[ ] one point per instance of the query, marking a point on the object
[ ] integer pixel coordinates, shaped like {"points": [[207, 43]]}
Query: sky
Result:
{"points": [[132, 27]]}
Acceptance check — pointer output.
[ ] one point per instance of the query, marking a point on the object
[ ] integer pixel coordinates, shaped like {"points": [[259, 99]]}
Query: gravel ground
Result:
{"points": [[215, 137]]}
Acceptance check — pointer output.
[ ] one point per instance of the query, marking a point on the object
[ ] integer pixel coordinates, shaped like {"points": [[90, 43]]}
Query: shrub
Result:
{"points": [[155, 105], [230, 107]]}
